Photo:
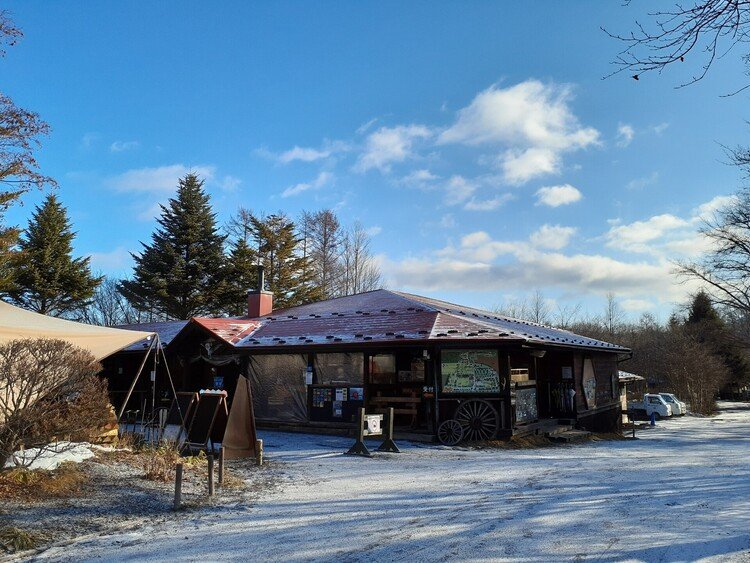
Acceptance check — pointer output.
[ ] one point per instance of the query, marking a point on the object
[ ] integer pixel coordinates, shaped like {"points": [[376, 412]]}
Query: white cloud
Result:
{"points": [[122, 146], [390, 145], [305, 154], [707, 210], [159, 180], [322, 179], [555, 196], [643, 182], [520, 166], [581, 273], [458, 189], [366, 126], [374, 231], [230, 183], [632, 237], [89, 140], [419, 178], [660, 128], [625, 134], [553, 237], [447, 221], [487, 204], [532, 120]]}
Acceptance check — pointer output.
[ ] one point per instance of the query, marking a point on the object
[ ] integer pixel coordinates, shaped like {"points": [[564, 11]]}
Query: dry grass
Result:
{"points": [[159, 461], [25, 484], [14, 539]]}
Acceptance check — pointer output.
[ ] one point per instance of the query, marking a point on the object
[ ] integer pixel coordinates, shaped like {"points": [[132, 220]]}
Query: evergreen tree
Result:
{"points": [[45, 276], [241, 276], [181, 273], [709, 328], [288, 271]]}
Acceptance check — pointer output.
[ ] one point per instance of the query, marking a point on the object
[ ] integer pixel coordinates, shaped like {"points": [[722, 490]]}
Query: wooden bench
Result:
{"points": [[402, 405]]}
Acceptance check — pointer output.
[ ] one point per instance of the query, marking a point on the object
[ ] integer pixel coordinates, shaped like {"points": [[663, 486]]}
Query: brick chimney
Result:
{"points": [[259, 301]]}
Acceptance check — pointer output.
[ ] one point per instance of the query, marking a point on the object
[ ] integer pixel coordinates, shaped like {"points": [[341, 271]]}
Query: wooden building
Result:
{"points": [[434, 362]]}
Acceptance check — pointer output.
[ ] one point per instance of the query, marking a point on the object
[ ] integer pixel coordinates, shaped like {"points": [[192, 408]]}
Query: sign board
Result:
{"points": [[567, 372], [373, 424], [470, 371]]}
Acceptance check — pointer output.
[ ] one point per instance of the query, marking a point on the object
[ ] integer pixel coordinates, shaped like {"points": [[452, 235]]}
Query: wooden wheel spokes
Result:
{"points": [[478, 420], [450, 432]]}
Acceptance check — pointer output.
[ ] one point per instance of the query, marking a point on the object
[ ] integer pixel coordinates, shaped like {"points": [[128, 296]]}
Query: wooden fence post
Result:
{"points": [[259, 452], [178, 486], [210, 475], [221, 466]]}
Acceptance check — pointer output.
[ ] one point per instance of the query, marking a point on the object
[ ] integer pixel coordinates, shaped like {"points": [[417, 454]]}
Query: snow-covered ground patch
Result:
{"points": [[52, 455], [681, 492]]}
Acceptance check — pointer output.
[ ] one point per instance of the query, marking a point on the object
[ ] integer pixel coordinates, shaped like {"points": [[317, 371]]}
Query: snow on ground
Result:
{"points": [[679, 493], [52, 455]]}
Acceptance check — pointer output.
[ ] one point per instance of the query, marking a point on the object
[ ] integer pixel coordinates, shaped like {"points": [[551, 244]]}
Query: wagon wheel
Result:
{"points": [[450, 432], [478, 420]]}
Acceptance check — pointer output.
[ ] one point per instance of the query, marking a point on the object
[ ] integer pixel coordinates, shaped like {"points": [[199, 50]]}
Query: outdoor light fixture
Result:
{"points": [[538, 353]]}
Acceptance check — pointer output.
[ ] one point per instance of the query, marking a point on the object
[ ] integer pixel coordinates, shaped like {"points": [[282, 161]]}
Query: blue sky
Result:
{"points": [[476, 140]]}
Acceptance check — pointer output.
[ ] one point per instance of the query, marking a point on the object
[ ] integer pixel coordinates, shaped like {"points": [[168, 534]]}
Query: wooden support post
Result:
{"points": [[258, 452], [388, 444], [221, 466], [210, 475], [178, 486], [359, 447]]}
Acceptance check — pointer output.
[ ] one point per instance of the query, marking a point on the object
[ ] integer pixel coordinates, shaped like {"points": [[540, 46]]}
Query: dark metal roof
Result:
{"points": [[373, 317], [166, 330], [384, 316]]}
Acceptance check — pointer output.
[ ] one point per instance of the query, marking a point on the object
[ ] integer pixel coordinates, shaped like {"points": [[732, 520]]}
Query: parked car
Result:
{"points": [[679, 408], [651, 403]]}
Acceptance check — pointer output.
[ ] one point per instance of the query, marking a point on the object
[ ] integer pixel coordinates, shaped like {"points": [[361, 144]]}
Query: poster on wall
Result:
{"points": [[567, 372], [589, 383], [526, 404], [357, 394], [470, 371], [338, 409]]}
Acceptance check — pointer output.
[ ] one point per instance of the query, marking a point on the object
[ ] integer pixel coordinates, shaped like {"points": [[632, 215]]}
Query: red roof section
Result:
{"points": [[230, 330]]}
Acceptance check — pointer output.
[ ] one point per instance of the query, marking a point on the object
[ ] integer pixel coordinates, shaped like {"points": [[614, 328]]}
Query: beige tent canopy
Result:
{"points": [[18, 323]]}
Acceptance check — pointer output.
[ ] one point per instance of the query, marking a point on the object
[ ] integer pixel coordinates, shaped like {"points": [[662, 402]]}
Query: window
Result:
{"points": [[470, 371], [383, 368], [338, 369]]}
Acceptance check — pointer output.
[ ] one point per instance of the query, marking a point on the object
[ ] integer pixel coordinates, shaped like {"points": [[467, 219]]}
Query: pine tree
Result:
{"points": [[288, 271], [45, 276], [241, 276], [709, 328], [181, 273]]}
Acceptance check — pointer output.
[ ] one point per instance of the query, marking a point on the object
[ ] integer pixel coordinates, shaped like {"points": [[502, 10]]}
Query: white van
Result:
{"points": [[652, 403], [678, 407]]}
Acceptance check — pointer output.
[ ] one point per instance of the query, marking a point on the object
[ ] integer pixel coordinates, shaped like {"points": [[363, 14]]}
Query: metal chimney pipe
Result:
{"points": [[261, 278]]}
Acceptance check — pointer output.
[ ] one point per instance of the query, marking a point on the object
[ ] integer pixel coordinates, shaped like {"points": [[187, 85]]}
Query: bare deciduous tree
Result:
{"points": [[108, 307], [49, 389], [322, 239], [707, 27], [725, 269], [360, 271]]}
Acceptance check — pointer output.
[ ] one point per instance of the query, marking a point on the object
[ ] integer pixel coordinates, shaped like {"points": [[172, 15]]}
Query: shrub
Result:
{"points": [[14, 539], [49, 390]]}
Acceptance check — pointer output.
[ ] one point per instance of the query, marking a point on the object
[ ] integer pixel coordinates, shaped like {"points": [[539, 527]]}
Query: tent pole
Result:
{"points": [[135, 379], [171, 381]]}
